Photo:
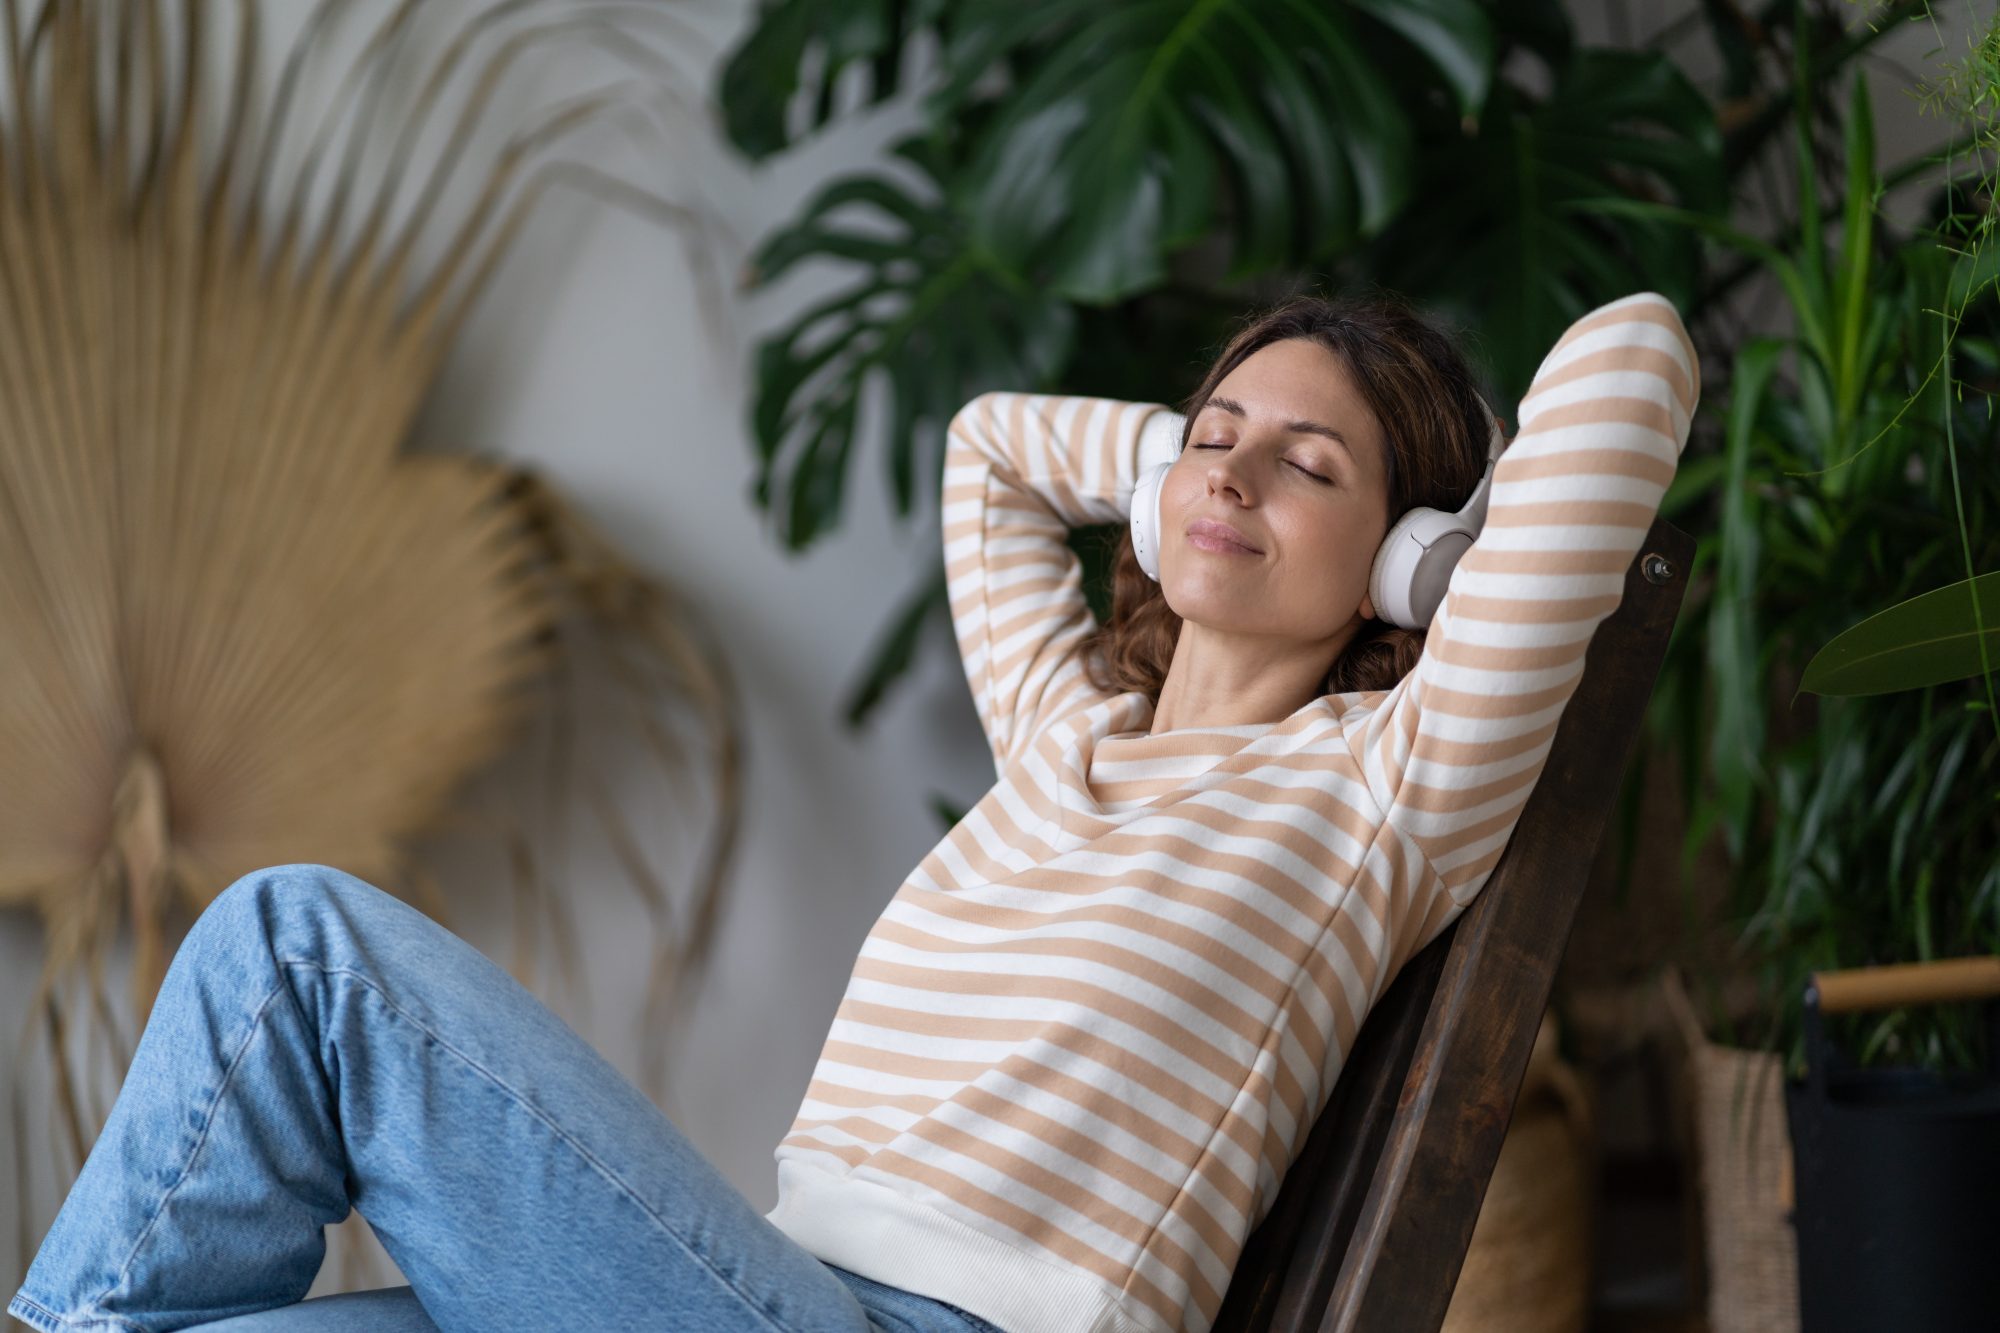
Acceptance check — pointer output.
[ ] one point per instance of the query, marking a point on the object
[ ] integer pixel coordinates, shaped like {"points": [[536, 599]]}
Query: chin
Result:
{"points": [[1247, 609], [1215, 609]]}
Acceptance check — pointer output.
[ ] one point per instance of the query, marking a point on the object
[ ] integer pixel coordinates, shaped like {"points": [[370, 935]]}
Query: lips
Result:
{"points": [[1217, 531]]}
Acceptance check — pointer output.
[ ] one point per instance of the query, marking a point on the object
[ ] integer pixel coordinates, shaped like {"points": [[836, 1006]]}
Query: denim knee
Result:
{"points": [[262, 901]]}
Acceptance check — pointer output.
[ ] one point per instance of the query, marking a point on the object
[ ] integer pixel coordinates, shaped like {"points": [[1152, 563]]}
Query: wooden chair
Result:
{"points": [[1372, 1221]]}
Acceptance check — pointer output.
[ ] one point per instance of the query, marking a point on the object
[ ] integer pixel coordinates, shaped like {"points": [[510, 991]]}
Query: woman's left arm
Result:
{"points": [[1453, 750]]}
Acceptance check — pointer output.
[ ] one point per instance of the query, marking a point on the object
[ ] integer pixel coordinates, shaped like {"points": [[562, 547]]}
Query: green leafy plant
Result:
{"points": [[1953, 632], [1510, 240], [1862, 825]]}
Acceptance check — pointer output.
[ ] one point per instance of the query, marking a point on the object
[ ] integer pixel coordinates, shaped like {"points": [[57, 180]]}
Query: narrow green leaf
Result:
{"points": [[1736, 755], [1856, 248]]}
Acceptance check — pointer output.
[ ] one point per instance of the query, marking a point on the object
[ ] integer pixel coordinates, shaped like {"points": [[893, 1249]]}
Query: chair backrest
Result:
{"points": [[1372, 1220]]}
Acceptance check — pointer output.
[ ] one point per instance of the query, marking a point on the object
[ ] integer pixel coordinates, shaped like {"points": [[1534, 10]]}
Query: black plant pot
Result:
{"points": [[1896, 1171]]}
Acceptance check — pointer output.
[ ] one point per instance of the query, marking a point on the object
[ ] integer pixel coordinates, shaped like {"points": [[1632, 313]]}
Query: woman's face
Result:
{"points": [[1261, 459]]}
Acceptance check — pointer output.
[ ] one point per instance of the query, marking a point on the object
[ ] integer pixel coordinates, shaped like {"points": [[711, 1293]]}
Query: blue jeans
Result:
{"points": [[319, 1044]]}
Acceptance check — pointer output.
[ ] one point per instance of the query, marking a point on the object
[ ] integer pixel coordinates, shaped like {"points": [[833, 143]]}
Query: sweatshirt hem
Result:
{"points": [[881, 1233]]}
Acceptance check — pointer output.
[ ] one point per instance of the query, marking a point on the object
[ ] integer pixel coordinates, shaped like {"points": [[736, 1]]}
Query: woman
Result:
{"points": [[1084, 1039]]}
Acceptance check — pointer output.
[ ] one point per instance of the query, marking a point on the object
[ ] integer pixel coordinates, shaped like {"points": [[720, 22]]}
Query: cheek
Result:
{"points": [[1335, 550], [1336, 532]]}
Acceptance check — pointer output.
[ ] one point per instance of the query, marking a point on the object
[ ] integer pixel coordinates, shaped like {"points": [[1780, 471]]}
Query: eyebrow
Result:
{"points": [[1234, 408]]}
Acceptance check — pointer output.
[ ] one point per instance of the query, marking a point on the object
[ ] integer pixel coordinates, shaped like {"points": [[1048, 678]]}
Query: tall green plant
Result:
{"points": [[1862, 829], [1952, 632]]}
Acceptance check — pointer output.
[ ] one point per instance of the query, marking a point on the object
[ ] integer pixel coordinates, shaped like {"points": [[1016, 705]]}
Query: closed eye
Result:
{"points": [[1325, 481]]}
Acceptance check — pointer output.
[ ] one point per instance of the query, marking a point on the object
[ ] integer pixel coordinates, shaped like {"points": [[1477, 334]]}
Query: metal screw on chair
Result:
{"points": [[1656, 567]]}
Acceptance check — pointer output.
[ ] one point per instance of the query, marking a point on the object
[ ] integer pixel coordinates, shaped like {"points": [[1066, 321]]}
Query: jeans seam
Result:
{"points": [[201, 1141], [99, 1319], [528, 1105]]}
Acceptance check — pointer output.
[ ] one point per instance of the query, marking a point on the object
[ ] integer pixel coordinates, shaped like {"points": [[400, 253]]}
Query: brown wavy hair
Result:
{"points": [[1414, 377]]}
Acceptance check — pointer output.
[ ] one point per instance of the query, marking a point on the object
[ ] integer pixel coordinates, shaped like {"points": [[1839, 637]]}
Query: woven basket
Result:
{"points": [[1744, 1149], [1528, 1266]]}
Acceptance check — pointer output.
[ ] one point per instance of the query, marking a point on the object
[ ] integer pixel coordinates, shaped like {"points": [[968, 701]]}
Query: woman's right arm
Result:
{"points": [[1020, 469]]}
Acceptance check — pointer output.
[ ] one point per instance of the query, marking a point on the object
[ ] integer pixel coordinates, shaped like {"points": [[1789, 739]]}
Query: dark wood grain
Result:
{"points": [[1372, 1220]]}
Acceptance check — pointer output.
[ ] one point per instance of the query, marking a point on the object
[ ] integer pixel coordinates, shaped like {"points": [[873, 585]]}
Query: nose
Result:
{"points": [[1221, 474]]}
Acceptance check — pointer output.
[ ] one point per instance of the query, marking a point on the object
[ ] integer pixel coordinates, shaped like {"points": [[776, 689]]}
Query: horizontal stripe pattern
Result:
{"points": [[1096, 1020]]}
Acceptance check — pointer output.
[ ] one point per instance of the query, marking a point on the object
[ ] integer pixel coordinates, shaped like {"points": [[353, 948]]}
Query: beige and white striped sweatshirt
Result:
{"points": [[1087, 1035]]}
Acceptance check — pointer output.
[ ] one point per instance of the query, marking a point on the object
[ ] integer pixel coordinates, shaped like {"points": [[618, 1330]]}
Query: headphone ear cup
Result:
{"points": [[1412, 567], [1389, 573], [1146, 518]]}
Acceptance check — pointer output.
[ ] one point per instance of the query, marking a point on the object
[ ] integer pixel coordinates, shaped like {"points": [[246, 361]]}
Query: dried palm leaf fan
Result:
{"points": [[240, 625]]}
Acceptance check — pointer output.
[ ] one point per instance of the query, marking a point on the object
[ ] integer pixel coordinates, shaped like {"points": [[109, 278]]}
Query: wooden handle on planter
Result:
{"points": [[1941, 981]]}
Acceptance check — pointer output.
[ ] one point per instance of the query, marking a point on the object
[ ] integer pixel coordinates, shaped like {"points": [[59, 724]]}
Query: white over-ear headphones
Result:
{"points": [[1412, 565]]}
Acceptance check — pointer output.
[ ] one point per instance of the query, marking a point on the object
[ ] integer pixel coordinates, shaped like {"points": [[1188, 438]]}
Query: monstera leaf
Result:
{"points": [[1515, 235], [930, 314], [791, 37], [1144, 127]]}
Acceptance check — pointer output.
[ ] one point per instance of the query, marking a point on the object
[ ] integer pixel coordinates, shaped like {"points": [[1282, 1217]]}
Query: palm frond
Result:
{"points": [[240, 623]]}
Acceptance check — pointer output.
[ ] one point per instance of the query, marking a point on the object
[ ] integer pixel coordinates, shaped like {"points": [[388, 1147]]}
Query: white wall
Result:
{"points": [[589, 357]]}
